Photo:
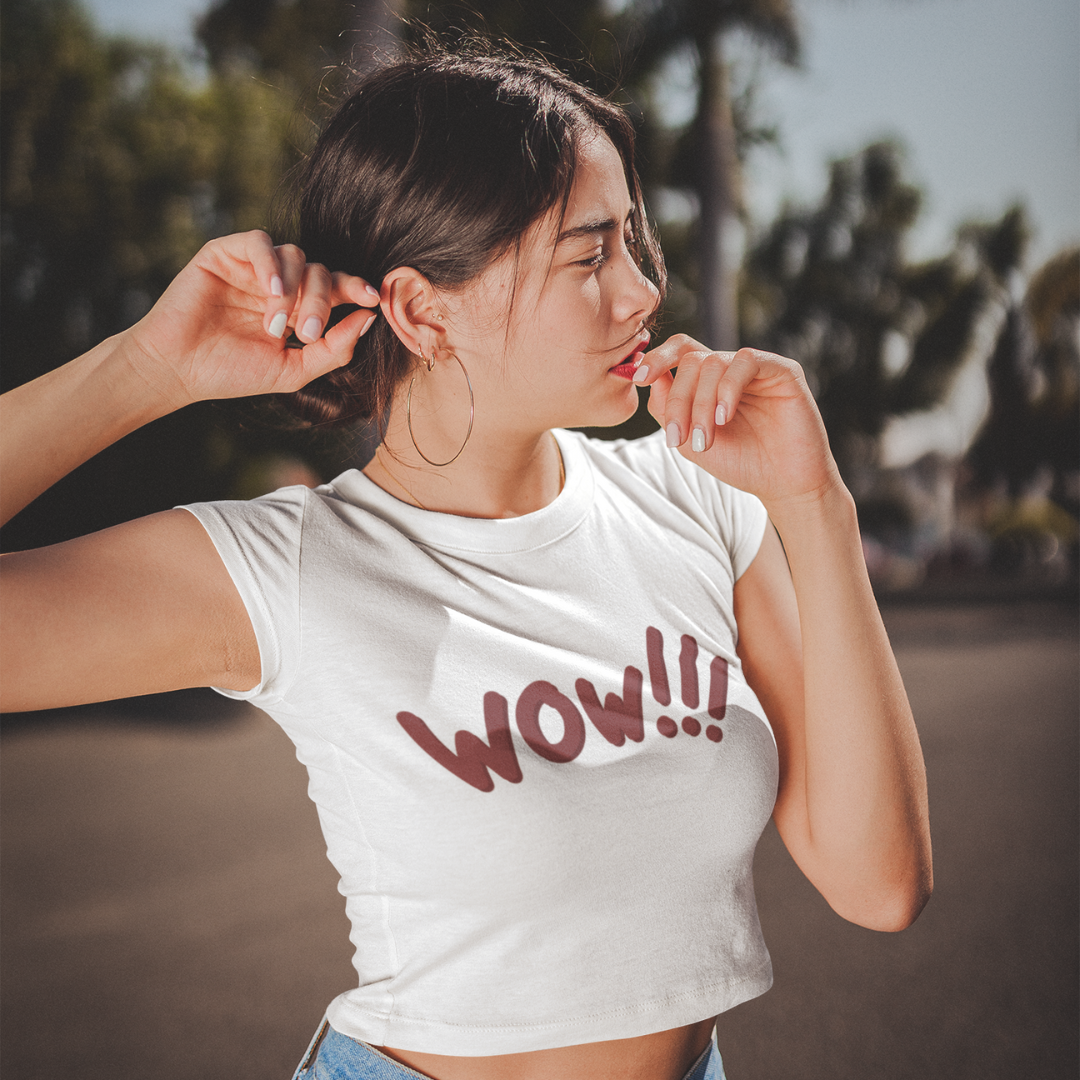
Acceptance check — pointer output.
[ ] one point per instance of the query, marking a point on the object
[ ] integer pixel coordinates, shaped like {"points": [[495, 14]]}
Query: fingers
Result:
{"points": [[691, 405], [705, 392], [297, 293], [685, 404], [257, 248], [310, 292], [332, 351]]}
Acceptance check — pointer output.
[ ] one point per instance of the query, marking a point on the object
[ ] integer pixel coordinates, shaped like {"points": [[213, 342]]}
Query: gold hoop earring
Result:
{"points": [[429, 361], [472, 413]]}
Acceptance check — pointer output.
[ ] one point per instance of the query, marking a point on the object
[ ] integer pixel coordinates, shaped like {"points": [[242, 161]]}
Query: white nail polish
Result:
{"points": [[312, 329], [278, 324], [641, 374], [672, 434], [721, 414], [697, 441], [276, 288]]}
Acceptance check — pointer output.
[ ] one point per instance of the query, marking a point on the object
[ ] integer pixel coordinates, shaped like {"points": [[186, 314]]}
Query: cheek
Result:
{"points": [[574, 316]]}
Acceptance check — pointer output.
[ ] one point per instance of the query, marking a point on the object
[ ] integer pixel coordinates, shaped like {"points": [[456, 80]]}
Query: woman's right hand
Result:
{"points": [[219, 330]]}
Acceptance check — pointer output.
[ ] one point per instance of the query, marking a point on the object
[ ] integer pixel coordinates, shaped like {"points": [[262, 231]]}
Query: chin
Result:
{"points": [[623, 411], [604, 414]]}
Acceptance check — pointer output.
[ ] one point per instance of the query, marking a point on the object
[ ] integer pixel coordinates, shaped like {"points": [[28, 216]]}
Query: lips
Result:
{"points": [[626, 368]]}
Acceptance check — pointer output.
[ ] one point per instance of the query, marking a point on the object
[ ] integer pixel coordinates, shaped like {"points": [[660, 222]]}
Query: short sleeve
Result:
{"points": [[748, 519], [736, 518], [259, 542]]}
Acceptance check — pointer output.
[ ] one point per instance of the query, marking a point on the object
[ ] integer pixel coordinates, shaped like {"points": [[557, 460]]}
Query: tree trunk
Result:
{"points": [[718, 189]]}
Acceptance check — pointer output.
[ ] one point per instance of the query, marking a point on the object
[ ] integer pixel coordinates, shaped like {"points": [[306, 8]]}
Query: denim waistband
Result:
{"points": [[333, 1056]]}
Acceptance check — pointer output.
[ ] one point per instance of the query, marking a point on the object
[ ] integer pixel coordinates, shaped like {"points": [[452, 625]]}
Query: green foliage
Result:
{"points": [[116, 168], [1034, 423], [877, 336]]}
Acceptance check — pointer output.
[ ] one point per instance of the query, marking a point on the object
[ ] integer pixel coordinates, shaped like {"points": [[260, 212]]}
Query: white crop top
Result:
{"points": [[539, 770]]}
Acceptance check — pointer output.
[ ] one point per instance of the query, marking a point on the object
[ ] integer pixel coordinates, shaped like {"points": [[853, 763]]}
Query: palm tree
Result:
{"points": [[654, 29]]}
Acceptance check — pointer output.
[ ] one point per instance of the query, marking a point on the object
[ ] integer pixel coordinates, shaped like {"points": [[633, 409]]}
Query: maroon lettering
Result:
{"points": [[533, 698], [654, 646], [619, 718], [474, 756], [688, 669], [718, 682]]}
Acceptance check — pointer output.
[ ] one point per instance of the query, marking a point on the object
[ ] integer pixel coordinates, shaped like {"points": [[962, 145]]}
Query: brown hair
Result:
{"points": [[441, 161]]}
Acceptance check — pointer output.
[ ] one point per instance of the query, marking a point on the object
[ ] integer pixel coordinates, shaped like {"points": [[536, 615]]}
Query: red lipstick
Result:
{"points": [[626, 369]]}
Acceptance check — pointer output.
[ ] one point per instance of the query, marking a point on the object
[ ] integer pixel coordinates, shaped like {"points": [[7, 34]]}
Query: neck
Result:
{"points": [[497, 474]]}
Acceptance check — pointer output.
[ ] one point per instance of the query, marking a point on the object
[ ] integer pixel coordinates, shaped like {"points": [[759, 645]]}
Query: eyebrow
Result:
{"points": [[604, 225]]}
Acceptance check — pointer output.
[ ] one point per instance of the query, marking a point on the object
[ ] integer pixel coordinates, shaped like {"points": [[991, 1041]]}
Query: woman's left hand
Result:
{"points": [[746, 417]]}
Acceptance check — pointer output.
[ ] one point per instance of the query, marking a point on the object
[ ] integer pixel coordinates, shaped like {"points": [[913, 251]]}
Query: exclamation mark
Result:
{"points": [[690, 695], [691, 692], [718, 680], [654, 646], [661, 691]]}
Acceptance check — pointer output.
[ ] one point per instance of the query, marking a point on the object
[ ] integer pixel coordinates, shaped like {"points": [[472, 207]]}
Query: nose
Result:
{"points": [[637, 296]]}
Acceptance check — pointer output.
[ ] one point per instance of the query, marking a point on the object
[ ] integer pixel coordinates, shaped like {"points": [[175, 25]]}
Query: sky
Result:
{"points": [[984, 95]]}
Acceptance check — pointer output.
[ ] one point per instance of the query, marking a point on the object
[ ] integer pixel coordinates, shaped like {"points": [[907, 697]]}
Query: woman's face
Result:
{"points": [[551, 338]]}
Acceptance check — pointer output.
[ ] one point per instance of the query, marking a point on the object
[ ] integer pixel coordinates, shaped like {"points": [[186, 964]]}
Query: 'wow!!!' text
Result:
{"points": [[617, 719]]}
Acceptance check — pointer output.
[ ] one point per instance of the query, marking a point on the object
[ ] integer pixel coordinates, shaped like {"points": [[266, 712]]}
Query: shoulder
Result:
{"points": [[666, 483], [278, 513], [649, 461]]}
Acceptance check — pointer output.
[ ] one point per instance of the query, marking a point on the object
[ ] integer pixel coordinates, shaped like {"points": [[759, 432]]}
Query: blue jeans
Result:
{"points": [[333, 1056]]}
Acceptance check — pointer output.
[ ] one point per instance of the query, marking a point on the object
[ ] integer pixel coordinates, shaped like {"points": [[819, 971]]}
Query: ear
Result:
{"points": [[411, 307]]}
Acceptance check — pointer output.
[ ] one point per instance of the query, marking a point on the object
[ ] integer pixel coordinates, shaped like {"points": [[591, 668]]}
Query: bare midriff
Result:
{"points": [[663, 1055]]}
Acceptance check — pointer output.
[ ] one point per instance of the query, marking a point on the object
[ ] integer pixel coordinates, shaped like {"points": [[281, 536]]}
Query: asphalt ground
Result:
{"points": [[168, 912]]}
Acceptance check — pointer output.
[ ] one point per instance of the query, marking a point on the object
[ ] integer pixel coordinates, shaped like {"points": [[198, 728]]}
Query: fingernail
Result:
{"points": [[673, 436], [278, 324], [312, 329], [721, 414], [276, 288], [641, 374], [697, 441], [372, 290], [370, 324]]}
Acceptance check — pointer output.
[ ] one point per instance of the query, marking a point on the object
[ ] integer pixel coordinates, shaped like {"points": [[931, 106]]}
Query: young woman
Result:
{"points": [[548, 690]]}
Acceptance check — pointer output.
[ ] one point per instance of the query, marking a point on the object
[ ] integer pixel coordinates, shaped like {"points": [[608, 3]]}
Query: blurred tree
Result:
{"points": [[1032, 436], [707, 160], [883, 343], [116, 168], [299, 45], [573, 34]]}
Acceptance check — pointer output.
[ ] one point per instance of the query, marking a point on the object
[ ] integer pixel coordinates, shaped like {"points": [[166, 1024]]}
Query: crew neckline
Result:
{"points": [[453, 532]]}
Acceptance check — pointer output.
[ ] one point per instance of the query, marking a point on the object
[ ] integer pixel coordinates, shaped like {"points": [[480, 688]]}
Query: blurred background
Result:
{"points": [[886, 190]]}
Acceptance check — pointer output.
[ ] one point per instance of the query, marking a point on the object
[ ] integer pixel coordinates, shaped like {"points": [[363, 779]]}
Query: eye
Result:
{"points": [[593, 262]]}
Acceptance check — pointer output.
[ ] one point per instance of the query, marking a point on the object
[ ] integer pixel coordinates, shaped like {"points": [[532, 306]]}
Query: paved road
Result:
{"points": [[168, 913]]}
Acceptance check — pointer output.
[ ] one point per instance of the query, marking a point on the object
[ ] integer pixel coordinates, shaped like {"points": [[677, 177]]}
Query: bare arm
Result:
{"points": [[141, 608], [852, 806], [148, 606]]}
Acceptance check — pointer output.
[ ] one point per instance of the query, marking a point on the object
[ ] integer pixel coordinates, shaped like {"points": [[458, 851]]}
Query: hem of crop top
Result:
{"points": [[431, 1036]]}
